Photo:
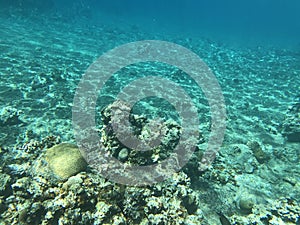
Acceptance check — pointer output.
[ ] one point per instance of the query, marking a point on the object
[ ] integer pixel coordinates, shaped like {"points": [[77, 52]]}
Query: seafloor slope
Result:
{"points": [[255, 178]]}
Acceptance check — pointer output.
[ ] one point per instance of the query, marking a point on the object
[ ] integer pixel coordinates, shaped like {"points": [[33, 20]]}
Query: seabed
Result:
{"points": [[255, 178]]}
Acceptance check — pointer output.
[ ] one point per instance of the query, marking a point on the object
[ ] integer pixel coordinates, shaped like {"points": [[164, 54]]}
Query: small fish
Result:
{"points": [[223, 219]]}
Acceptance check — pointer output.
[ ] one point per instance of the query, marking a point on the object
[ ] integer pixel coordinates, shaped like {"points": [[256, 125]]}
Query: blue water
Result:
{"points": [[245, 21], [255, 22]]}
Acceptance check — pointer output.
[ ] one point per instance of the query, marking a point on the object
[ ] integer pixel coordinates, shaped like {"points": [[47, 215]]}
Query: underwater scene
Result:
{"points": [[149, 112]]}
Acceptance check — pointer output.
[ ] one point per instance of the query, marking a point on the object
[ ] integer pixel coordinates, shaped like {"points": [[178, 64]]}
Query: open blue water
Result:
{"points": [[255, 21]]}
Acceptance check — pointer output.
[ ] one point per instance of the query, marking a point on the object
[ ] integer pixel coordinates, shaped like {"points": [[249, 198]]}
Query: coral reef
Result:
{"points": [[146, 130], [89, 199], [65, 160], [45, 192], [281, 211], [48, 182]]}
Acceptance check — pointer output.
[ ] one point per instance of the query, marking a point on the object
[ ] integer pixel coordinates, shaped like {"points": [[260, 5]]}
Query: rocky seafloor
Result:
{"points": [[255, 178]]}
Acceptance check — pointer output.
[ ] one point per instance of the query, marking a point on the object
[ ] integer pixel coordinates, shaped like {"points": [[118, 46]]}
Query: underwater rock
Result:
{"points": [[169, 202], [246, 203], [5, 181], [279, 211], [3, 207], [87, 198], [123, 154], [10, 116], [164, 133], [65, 160], [291, 124], [74, 183]]}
